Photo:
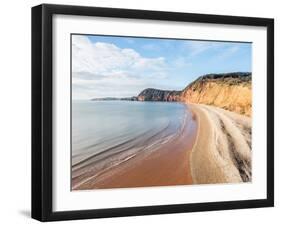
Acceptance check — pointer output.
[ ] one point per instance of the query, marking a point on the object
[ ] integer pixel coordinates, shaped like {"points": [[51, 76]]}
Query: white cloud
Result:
{"points": [[99, 64], [105, 58]]}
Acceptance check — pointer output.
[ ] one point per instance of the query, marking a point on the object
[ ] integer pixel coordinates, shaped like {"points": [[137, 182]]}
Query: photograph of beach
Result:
{"points": [[159, 112]]}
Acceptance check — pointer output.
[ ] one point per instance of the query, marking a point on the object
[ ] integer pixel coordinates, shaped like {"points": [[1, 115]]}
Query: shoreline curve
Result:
{"points": [[222, 148], [168, 165]]}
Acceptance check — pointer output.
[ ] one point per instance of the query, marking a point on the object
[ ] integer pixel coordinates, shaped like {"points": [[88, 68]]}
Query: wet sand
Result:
{"points": [[166, 166]]}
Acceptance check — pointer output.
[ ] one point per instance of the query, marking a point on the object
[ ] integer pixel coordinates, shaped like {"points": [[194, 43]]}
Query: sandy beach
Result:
{"points": [[222, 151], [213, 147]]}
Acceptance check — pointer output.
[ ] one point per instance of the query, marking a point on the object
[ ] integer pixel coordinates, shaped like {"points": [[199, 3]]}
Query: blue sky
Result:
{"points": [[123, 66]]}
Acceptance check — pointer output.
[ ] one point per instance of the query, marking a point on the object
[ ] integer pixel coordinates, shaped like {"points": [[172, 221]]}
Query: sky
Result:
{"points": [[112, 66]]}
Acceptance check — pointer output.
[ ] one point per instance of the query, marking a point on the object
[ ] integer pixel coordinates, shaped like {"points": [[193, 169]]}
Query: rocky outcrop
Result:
{"points": [[158, 95], [230, 91]]}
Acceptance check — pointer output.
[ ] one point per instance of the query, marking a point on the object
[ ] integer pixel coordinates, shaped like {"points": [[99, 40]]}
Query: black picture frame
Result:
{"points": [[42, 107]]}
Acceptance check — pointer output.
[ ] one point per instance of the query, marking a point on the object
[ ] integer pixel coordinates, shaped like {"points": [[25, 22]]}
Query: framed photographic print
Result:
{"points": [[145, 112]]}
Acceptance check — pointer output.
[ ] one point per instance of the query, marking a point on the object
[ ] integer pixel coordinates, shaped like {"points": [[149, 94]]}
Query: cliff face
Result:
{"points": [[159, 95], [232, 91], [229, 91]]}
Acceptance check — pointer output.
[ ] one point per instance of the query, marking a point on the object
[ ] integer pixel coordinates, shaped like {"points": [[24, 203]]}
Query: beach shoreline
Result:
{"points": [[217, 149], [166, 166]]}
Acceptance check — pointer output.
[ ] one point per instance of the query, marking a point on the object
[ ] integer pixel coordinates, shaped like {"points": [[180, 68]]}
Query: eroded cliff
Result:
{"points": [[230, 91]]}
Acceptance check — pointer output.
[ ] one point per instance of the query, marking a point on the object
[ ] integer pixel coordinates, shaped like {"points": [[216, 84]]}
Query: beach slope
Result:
{"points": [[222, 151]]}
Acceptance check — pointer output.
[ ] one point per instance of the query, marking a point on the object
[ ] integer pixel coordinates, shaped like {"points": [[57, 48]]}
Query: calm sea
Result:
{"points": [[102, 129]]}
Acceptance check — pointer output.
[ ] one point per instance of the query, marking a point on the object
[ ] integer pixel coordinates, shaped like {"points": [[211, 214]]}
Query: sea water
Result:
{"points": [[101, 129]]}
